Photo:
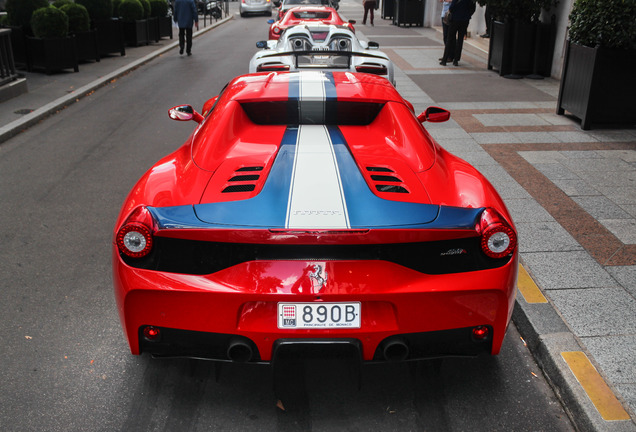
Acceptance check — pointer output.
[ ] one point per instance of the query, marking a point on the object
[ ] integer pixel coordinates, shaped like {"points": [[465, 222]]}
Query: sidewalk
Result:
{"points": [[572, 194]]}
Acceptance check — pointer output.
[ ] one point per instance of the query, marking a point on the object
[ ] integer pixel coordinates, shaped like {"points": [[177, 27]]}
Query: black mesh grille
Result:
{"points": [[391, 188], [239, 178], [379, 169], [254, 168], [385, 178], [239, 188]]}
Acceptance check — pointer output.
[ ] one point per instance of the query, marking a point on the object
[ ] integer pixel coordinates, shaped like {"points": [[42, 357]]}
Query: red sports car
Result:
{"points": [[308, 14], [313, 209]]}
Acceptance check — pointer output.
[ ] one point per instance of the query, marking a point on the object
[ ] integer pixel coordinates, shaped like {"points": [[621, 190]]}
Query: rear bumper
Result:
{"points": [[202, 316], [399, 347]]}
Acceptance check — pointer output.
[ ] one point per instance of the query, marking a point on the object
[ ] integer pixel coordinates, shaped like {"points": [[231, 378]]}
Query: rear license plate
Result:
{"points": [[318, 315]]}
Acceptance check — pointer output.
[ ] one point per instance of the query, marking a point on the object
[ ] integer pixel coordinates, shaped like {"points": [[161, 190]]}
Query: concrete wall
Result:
{"points": [[477, 26]]}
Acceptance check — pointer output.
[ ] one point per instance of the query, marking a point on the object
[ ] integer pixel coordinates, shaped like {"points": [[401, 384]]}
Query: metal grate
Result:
{"points": [[239, 188]]}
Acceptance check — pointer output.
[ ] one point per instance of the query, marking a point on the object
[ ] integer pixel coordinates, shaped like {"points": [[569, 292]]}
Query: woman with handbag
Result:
{"points": [[460, 13]]}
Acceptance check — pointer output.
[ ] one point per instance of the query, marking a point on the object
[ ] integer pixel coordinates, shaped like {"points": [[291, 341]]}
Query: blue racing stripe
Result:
{"points": [[330, 87], [367, 210], [266, 210]]}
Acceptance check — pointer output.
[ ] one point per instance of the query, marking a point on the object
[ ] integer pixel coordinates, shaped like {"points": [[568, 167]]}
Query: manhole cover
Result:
{"points": [[23, 111]]}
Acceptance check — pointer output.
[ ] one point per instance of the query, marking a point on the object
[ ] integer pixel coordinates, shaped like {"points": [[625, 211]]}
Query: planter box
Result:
{"points": [[136, 33], [597, 85], [388, 9], [18, 46], [87, 48], [153, 29], [164, 24], [521, 49], [52, 54], [110, 37], [409, 12]]}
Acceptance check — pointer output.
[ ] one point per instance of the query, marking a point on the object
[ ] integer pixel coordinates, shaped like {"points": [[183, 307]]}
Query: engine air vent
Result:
{"points": [[391, 188], [379, 169], [243, 179], [385, 178], [254, 168], [395, 184], [239, 178], [240, 188]]}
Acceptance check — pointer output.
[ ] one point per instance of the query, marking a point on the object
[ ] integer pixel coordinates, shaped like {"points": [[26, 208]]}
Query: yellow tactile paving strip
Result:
{"points": [[597, 390], [528, 289]]}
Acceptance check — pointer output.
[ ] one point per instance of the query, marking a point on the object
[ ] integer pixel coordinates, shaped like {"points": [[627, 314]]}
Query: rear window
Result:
{"points": [[293, 112], [312, 15], [306, 2]]}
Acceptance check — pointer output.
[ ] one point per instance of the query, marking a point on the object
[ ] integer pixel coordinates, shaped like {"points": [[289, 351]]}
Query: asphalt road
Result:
{"points": [[65, 363]]}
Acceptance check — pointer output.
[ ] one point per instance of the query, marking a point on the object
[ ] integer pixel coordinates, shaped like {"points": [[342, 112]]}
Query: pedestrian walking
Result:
{"points": [[369, 7], [461, 11], [185, 15], [445, 25], [487, 18]]}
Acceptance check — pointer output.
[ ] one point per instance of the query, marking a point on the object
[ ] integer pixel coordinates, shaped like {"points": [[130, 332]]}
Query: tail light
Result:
{"points": [[481, 332], [376, 69], [498, 239], [272, 67], [276, 30], [152, 333], [135, 237]]}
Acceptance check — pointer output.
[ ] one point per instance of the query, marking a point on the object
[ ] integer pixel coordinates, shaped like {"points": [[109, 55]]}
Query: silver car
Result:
{"points": [[324, 47], [255, 6]]}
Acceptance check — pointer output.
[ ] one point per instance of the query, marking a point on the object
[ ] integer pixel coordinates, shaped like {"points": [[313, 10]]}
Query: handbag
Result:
{"points": [[447, 18]]}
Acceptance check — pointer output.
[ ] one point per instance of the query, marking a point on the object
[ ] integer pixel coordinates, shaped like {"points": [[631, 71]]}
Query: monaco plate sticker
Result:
{"points": [[318, 315]]}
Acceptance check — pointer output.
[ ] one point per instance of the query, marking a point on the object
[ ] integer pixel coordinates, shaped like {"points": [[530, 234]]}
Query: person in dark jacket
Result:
{"points": [[185, 14], [461, 12]]}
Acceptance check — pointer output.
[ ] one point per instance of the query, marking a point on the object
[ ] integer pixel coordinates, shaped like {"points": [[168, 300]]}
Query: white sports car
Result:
{"points": [[324, 47]]}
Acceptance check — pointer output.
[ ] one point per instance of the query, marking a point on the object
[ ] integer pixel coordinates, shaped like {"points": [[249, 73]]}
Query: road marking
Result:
{"points": [[597, 390], [529, 290]]}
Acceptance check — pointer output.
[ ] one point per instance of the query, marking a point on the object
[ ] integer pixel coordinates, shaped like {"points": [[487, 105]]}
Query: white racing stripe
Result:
{"points": [[316, 199]]}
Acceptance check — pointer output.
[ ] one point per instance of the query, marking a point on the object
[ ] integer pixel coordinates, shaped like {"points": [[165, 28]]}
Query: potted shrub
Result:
{"points": [[19, 18], [159, 9], [597, 82], [51, 48], [135, 26], [79, 25], [110, 31], [520, 44], [153, 31]]}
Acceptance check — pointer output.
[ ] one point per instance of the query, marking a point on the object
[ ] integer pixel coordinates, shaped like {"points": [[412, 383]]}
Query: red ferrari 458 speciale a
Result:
{"points": [[304, 15], [312, 209]]}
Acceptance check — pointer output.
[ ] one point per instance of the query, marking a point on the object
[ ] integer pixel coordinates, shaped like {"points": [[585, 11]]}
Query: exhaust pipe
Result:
{"points": [[395, 350], [239, 351], [343, 44]]}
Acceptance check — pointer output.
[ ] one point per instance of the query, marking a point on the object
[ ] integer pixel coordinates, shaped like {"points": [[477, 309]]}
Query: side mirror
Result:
{"points": [[261, 44], [373, 45], [270, 21], [184, 113], [434, 115], [352, 22]]}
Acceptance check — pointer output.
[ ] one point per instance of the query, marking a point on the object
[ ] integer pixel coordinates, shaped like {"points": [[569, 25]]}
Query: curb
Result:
{"points": [[14, 128], [549, 340]]}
